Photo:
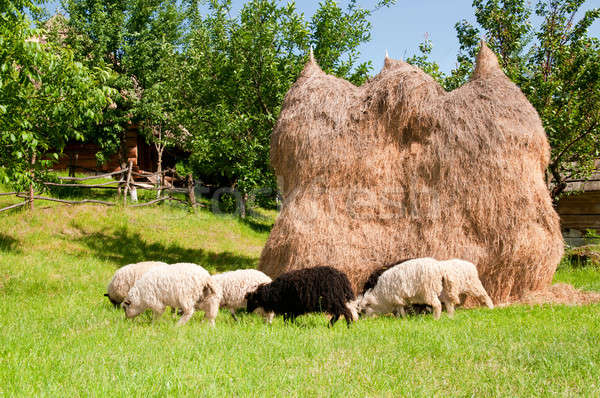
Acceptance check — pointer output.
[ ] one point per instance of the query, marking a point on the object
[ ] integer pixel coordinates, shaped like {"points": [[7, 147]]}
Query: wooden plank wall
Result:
{"points": [[86, 154], [580, 211]]}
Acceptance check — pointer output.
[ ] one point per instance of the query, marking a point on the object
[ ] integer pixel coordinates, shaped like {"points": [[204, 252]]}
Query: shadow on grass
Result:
{"points": [[8, 243], [257, 225], [257, 221], [125, 247], [75, 193]]}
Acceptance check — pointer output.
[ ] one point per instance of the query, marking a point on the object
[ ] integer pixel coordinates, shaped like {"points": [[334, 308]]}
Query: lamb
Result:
{"points": [[372, 281], [233, 287], [318, 289], [124, 279], [182, 285], [424, 281], [463, 279]]}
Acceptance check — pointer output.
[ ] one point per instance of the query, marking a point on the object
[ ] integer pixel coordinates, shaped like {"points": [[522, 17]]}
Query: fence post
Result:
{"points": [[127, 182], [191, 193]]}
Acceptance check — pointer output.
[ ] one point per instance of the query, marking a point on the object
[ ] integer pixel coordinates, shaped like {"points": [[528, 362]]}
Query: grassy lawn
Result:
{"points": [[60, 337]]}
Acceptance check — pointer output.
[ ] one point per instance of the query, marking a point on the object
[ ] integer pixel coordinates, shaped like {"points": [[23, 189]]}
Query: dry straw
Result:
{"points": [[399, 168]]}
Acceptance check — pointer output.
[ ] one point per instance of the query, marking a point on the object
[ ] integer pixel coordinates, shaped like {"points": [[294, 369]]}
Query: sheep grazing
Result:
{"points": [[318, 289], [233, 287], [182, 285], [124, 279], [372, 281], [424, 281], [462, 279]]}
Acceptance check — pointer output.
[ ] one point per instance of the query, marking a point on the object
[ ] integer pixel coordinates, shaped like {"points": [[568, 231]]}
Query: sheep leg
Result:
{"points": [[212, 311], [233, 314], [268, 316], [450, 308], [334, 319], [436, 304], [157, 312], [402, 311], [187, 314], [349, 316]]}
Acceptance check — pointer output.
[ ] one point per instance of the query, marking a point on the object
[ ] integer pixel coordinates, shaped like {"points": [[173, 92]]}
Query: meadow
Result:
{"points": [[61, 337]]}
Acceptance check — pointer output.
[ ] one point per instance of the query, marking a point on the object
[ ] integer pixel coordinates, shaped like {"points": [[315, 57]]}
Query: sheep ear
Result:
{"points": [[105, 294]]}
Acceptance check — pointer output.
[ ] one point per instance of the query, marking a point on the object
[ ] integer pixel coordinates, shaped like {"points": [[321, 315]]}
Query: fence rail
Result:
{"points": [[125, 185]]}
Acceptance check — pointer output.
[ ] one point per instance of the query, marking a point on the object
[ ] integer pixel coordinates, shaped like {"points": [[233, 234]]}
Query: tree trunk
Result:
{"points": [[559, 185], [191, 193], [32, 175]]}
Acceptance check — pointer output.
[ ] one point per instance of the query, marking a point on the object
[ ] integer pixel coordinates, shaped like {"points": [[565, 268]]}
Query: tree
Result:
{"points": [[151, 56], [556, 65], [239, 69], [140, 41], [96, 31], [45, 98]]}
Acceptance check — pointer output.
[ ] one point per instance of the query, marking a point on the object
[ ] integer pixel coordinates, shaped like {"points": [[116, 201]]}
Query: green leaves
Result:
{"points": [[556, 65], [43, 93], [237, 71]]}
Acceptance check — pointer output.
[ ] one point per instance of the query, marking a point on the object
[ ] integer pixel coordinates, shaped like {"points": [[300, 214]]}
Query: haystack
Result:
{"points": [[399, 168]]}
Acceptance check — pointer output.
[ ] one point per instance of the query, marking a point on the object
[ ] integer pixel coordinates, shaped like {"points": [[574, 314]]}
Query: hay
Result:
{"points": [[399, 168], [560, 293]]}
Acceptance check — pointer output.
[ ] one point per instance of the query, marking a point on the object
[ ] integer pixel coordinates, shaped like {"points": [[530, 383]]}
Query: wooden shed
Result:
{"points": [[580, 210], [81, 156]]}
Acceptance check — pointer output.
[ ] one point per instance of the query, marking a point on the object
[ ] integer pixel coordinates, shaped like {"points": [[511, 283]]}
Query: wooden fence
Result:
{"points": [[127, 184]]}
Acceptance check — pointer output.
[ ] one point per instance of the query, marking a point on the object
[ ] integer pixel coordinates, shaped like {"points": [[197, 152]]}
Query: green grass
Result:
{"points": [[60, 337]]}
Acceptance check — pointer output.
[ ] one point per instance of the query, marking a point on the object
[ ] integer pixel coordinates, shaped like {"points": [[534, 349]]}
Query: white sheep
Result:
{"points": [[233, 287], [461, 277], [182, 285], [424, 281], [125, 277]]}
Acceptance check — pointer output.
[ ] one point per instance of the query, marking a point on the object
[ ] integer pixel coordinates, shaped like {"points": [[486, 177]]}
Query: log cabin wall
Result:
{"points": [[580, 211], [83, 155]]}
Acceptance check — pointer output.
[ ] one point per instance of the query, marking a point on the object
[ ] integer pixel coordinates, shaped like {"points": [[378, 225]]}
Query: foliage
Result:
{"points": [[238, 70], [556, 64], [151, 56], [422, 61], [95, 30], [46, 96]]}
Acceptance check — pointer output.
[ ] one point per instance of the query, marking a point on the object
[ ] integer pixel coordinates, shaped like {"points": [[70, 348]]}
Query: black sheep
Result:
{"points": [[374, 277], [318, 289]]}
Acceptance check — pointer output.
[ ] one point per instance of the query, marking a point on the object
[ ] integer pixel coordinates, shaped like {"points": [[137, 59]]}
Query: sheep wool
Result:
{"points": [[124, 279], [233, 287], [424, 281], [414, 309], [183, 285], [318, 289], [462, 279]]}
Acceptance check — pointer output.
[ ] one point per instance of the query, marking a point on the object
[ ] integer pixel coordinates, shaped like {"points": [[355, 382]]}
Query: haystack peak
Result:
{"points": [[486, 64], [311, 67]]}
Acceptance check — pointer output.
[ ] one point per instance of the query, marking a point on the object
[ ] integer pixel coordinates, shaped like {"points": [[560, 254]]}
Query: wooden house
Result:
{"points": [[81, 156], [579, 210]]}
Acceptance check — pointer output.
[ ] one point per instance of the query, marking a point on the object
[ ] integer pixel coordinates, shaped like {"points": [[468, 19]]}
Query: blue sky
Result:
{"points": [[400, 28]]}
